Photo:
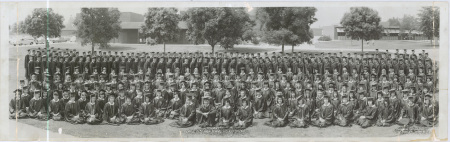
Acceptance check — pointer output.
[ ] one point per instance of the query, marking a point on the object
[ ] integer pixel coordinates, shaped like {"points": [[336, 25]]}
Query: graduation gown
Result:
{"points": [[279, 117], [344, 114], [57, 110], [110, 112], [73, 112], [244, 117], [93, 113], [370, 114], [187, 116], [17, 107], [300, 117], [326, 112]]}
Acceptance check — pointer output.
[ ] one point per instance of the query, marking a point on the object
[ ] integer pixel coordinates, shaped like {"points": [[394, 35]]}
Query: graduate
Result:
{"points": [[174, 106], [72, 111], [428, 112], [384, 112], [260, 106], [226, 114], [160, 104], [280, 113], [369, 114], [187, 113], [206, 113], [17, 108], [325, 114], [344, 113], [138, 100], [127, 113], [300, 117], [110, 111], [147, 113], [394, 107], [244, 114], [36, 104], [409, 113], [56, 108], [93, 111]]}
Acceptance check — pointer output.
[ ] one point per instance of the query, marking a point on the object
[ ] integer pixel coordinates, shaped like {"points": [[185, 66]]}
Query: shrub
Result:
{"points": [[324, 38]]}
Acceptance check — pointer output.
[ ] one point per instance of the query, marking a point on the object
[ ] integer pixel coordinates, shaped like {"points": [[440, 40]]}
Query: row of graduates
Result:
{"points": [[233, 64], [321, 111]]}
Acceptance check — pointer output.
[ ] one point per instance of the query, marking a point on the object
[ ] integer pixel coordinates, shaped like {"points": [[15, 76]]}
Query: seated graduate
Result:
{"points": [[344, 113], [138, 100], [160, 104], [226, 114], [36, 104], [43, 113], [56, 108], [325, 114], [17, 108], [369, 114], [72, 111], [384, 112], [110, 111], [409, 113], [147, 112], [428, 112], [93, 111], [101, 100], [300, 116], [244, 114], [83, 100], [175, 105], [206, 113], [127, 113], [187, 113], [395, 108], [260, 105], [280, 112]]}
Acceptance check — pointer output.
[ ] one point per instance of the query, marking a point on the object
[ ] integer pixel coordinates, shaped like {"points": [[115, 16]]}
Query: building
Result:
{"points": [[336, 32], [129, 34]]}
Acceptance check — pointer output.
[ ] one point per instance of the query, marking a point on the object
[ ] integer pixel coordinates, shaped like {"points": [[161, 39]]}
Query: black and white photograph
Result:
{"points": [[243, 71]]}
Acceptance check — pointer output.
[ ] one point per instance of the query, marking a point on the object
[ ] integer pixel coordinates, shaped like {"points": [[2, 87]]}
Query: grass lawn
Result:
{"points": [[16, 72]]}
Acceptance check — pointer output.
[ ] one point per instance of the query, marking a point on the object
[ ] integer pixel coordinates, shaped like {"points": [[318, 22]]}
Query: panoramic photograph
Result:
{"points": [[225, 72]]}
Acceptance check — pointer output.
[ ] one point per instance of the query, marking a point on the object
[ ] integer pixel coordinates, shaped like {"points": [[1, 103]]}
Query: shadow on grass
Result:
{"points": [[117, 48]]}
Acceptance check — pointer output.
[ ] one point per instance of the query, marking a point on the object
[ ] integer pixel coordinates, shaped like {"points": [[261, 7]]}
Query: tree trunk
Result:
{"points": [[282, 48], [362, 45], [212, 48], [164, 46], [92, 49], [292, 48]]}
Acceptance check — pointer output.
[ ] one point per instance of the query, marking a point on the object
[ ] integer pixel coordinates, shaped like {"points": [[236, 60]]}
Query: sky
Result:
{"points": [[327, 15]]}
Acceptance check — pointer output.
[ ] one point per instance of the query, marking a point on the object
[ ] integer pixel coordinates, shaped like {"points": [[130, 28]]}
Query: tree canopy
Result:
{"points": [[161, 24], [408, 24], [286, 25], [42, 22], [362, 23], [217, 25], [97, 26], [429, 21]]}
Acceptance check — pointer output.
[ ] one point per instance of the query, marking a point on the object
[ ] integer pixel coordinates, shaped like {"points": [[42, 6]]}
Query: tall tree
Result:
{"points": [[97, 26], [408, 24], [18, 28], [161, 24], [394, 21], [429, 22], [286, 25], [222, 25], [43, 22], [362, 23]]}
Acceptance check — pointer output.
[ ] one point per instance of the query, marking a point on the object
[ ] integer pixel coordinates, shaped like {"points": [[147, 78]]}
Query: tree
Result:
{"points": [[408, 24], [286, 25], [43, 22], [429, 22], [97, 26], [394, 21], [362, 23], [223, 25], [17, 28], [161, 24]]}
